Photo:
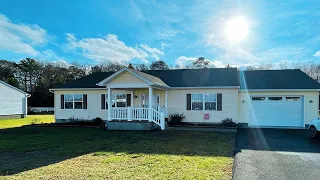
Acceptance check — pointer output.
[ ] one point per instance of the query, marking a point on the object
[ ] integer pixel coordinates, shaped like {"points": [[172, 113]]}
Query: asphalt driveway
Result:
{"points": [[276, 154]]}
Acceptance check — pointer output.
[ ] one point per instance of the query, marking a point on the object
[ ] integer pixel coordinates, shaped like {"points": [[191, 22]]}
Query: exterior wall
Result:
{"points": [[138, 92], [12, 101], [177, 104], [93, 109], [127, 80], [310, 109]]}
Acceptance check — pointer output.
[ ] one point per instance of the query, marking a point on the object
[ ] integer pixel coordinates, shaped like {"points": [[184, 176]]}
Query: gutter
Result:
{"points": [[279, 90]]}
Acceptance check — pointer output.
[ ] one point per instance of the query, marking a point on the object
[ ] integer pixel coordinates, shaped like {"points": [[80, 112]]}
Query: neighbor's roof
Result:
{"points": [[174, 78], [276, 79], [19, 90]]}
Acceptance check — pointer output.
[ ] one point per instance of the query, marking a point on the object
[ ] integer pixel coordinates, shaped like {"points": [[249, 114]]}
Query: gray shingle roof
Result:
{"points": [[173, 78], [151, 78], [212, 77], [276, 79]]}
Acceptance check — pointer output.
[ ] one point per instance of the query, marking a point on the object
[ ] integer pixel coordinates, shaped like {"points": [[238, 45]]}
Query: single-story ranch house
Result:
{"points": [[13, 101], [261, 98]]}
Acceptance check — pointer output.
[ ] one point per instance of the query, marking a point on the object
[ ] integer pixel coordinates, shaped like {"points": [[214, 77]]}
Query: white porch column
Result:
{"points": [[109, 103], [150, 103], [166, 98], [166, 103]]}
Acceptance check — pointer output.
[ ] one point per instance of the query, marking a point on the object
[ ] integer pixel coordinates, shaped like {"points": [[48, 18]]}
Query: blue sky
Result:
{"points": [[90, 32]]}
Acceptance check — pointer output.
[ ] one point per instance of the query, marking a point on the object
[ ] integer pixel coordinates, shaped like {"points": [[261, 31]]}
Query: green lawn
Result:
{"points": [[87, 153], [35, 119]]}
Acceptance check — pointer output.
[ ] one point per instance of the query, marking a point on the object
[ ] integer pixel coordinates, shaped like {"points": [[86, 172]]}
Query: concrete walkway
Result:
{"points": [[212, 129]]}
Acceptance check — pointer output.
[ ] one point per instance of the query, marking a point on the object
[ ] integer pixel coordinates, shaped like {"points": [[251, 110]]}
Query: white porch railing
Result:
{"points": [[130, 113], [42, 109]]}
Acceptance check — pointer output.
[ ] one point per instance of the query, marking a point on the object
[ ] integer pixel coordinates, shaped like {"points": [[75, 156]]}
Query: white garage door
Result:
{"points": [[276, 111]]}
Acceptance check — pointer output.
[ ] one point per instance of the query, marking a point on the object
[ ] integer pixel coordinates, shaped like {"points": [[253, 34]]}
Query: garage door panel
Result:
{"points": [[276, 113]]}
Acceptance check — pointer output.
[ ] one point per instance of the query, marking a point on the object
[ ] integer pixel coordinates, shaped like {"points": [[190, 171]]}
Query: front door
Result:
{"points": [[145, 100]]}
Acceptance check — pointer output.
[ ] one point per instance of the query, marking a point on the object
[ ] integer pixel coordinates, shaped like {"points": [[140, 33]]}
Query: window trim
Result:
{"points": [[115, 100], [73, 102], [204, 101], [270, 98]]}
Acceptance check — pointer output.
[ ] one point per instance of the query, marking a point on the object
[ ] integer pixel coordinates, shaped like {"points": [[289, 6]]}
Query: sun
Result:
{"points": [[237, 29]]}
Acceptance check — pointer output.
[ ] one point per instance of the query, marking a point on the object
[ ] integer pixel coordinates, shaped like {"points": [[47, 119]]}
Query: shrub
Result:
{"points": [[98, 121], [72, 120], [176, 118], [228, 122]]}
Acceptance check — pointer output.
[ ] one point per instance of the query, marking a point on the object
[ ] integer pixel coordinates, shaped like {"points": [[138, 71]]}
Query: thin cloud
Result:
{"points": [[21, 38], [185, 62], [155, 53], [110, 49]]}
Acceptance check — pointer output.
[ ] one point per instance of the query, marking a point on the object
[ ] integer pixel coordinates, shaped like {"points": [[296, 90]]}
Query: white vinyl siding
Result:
{"points": [[127, 80], [12, 101], [177, 104], [93, 105]]}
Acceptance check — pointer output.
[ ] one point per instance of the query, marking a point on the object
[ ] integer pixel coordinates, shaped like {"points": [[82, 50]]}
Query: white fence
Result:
{"points": [[130, 113], [42, 109]]}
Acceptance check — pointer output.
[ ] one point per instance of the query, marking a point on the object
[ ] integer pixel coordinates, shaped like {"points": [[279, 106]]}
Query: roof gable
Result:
{"points": [[147, 78], [14, 88]]}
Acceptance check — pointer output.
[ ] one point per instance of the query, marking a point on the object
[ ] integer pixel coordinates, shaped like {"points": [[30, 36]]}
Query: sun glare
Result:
{"points": [[237, 29]]}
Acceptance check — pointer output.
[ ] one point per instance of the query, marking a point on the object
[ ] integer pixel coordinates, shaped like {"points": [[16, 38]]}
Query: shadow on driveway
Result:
{"points": [[291, 140], [276, 154]]}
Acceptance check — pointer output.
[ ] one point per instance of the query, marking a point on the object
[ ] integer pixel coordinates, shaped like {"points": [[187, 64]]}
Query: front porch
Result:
{"points": [[143, 107], [145, 100]]}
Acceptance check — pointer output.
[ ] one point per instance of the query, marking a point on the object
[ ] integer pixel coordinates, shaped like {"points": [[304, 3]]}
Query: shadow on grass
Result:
{"points": [[28, 148]]}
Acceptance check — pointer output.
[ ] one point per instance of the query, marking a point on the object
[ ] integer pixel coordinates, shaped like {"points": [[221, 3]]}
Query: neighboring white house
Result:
{"points": [[13, 101], [282, 98]]}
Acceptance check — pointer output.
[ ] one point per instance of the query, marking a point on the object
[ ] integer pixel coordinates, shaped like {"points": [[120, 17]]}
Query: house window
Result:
{"points": [[118, 100], [68, 101], [292, 98], [73, 101], [78, 101], [275, 98], [121, 100], [258, 98], [210, 101], [196, 101]]}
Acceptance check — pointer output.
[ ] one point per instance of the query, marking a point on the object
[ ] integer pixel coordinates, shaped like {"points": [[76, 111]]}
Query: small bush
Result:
{"points": [[176, 118], [72, 120], [228, 122], [98, 121]]}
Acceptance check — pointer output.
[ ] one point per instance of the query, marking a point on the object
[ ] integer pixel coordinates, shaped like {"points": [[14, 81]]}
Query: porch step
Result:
{"points": [[135, 125]]}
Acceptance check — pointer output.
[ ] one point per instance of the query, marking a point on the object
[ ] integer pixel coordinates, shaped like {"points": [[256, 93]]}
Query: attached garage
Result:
{"points": [[277, 98], [276, 110]]}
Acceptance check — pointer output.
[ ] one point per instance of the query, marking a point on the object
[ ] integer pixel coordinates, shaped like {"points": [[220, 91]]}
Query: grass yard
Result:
{"points": [[87, 153], [30, 119]]}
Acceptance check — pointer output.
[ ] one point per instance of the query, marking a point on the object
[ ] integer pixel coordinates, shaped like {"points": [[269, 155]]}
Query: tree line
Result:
{"points": [[37, 77]]}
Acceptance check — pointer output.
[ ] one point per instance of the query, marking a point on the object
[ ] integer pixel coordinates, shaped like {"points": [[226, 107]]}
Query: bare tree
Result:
{"points": [[141, 67], [158, 65], [107, 67], [201, 62]]}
